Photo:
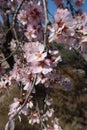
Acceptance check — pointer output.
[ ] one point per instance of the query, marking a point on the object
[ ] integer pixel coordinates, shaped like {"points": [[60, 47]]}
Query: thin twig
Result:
{"points": [[17, 10], [73, 11], [15, 16], [9, 29], [41, 121], [14, 19], [46, 22], [14, 22]]}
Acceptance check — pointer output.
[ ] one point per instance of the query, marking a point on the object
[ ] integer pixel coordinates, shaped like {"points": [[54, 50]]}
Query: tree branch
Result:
{"points": [[46, 22], [23, 105], [27, 97]]}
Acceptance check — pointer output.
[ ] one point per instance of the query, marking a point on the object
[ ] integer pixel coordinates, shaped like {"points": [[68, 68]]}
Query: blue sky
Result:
{"points": [[85, 6]]}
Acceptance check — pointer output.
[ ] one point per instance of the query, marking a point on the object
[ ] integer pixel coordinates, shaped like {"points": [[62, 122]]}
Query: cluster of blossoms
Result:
{"points": [[69, 31], [35, 64], [81, 31], [14, 107], [45, 116], [32, 17], [63, 29], [54, 126]]}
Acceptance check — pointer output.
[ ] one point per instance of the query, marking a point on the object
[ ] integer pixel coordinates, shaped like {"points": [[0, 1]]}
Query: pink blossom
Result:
{"points": [[59, 3], [33, 47], [62, 14], [35, 14], [54, 125], [34, 118], [5, 82], [29, 104], [79, 2], [13, 107], [48, 101], [41, 79], [34, 51], [15, 73], [63, 28], [50, 112], [24, 111], [13, 45], [30, 33], [83, 44], [22, 17]]}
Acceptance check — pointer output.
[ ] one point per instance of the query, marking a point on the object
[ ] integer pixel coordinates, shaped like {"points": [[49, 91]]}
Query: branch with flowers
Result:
{"points": [[37, 57]]}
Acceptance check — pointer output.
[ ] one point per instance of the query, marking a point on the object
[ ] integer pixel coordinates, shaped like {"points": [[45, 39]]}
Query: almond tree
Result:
{"points": [[30, 49]]}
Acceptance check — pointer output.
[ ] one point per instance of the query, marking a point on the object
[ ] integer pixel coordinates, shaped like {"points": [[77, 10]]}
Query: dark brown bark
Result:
{"points": [[6, 47]]}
